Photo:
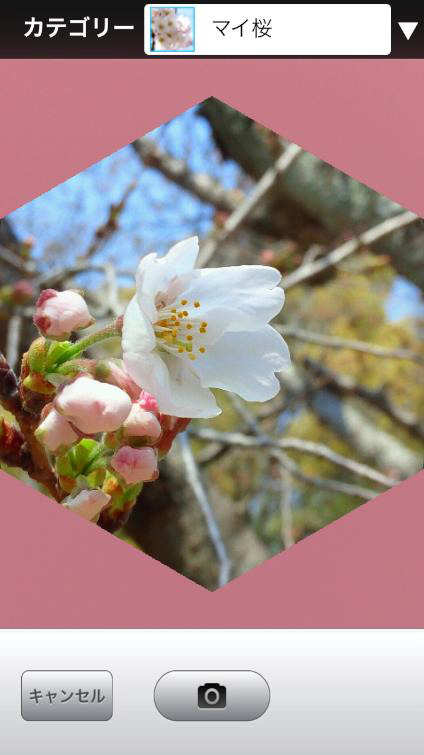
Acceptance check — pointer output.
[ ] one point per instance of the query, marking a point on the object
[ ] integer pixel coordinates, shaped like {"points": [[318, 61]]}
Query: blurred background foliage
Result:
{"points": [[186, 178]]}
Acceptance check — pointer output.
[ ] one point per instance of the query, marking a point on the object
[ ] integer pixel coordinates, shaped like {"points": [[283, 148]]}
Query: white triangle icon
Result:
{"points": [[408, 27]]}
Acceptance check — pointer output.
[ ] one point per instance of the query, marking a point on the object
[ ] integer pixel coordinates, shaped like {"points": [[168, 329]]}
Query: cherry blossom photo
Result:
{"points": [[211, 341], [172, 29]]}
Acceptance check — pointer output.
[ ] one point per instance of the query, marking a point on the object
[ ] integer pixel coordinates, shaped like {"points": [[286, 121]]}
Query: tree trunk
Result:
{"points": [[341, 202]]}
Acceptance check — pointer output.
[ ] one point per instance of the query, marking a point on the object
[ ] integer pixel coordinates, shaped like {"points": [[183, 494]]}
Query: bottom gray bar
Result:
{"points": [[66, 695]]}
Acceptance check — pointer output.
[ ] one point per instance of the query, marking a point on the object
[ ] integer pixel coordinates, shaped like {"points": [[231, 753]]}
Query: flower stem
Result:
{"points": [[111, 331]]}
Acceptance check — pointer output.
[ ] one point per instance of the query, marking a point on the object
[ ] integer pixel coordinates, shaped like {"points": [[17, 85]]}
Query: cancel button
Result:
{"points": [[66, 695]]}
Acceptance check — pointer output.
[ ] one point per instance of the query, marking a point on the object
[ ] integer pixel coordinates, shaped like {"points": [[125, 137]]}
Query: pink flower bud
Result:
{"points": [[22, 292], [148, 402], [142, 424], [88, 503], [58, 313], [55, 432], [113, 372], [93, 407], [267, 256], [135, 465]]}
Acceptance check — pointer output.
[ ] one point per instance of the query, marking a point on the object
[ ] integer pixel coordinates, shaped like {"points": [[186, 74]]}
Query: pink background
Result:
{"points": [[58, 117]]}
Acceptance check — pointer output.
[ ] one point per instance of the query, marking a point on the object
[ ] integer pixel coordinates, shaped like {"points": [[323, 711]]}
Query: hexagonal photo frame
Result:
{"points": [[264, 423]]}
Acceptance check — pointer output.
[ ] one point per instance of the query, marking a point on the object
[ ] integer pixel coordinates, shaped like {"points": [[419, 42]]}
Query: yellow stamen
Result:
{"points": [[197, 304], [202, 330], [180, 349], [185, 313], [184, 302], [202, 349], [189, 338], [192, 357], [204, 325], [189, 326], [180, 314]]}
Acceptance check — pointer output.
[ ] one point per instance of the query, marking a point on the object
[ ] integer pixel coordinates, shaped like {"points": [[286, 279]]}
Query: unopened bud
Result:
{"points": [[93, 407], [88, 503], [59, 313], [55, 432], [135, 465]]}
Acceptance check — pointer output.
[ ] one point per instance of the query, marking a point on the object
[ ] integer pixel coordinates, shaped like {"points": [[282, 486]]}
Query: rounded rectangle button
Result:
{"points": [[212, 695], [66, 695]]}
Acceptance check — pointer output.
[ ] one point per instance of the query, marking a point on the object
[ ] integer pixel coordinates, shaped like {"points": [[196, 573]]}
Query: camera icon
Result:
{"points": [[212, 695]]}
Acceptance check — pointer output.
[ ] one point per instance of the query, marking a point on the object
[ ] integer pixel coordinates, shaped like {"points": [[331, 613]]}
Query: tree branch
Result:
{"points": [[366, 239], [39, 468], [195, 481], [296, 444], [244, 210], [320, 191], [334, 342], [351, 424], [325, 483], [345, 384], [200, 185], [14, 329], [286, 509], [101, 235], [13, 449]]}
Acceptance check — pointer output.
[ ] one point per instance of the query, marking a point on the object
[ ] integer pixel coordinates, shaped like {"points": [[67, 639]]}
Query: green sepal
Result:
{"points": [[96, 478], [64, 466], [84, 458], [85, 454], [37, 355], [132, 492], [56, 352]]}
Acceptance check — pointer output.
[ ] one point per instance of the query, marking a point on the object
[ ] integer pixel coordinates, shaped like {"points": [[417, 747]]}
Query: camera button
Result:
{"points": [[212, 695]]}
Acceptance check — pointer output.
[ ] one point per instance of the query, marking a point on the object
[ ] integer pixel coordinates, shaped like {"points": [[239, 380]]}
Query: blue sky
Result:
{"points": [[156, 214], [64, 219]]}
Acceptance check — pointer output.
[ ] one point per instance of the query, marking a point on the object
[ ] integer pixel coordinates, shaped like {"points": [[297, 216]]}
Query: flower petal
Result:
{"points": [[250, 291], [147, 369], [177, 389], [245, 363], [187, 397], [155, 275], [137, 330], [182, 257]]}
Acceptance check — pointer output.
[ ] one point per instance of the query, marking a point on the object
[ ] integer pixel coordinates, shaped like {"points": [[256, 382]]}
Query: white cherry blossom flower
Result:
{"points": [[186, 331]]}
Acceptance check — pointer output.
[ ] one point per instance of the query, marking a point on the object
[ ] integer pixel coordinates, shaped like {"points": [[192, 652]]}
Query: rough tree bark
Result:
{"points": [[168, 525], [341, 202]]}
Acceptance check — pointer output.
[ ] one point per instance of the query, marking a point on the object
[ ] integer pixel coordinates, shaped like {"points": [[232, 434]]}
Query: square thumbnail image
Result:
{"points": [[172, 29], [211, 344]]}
